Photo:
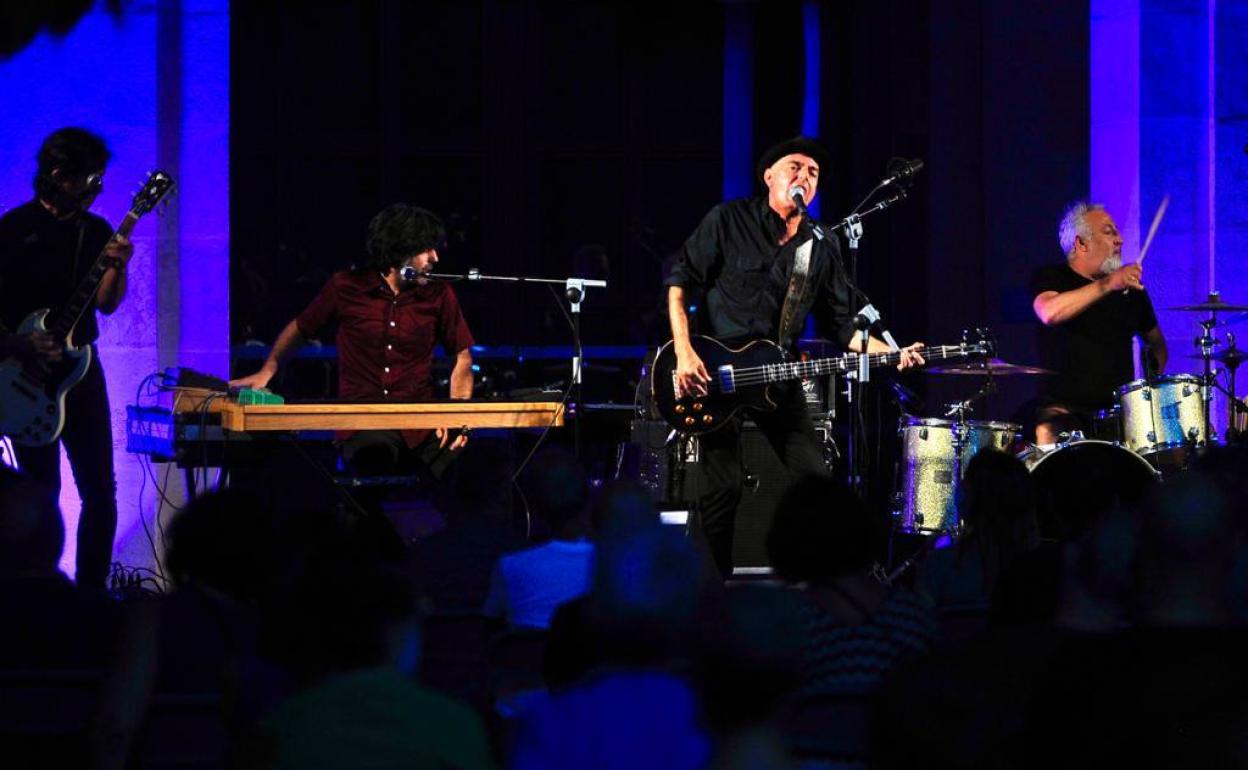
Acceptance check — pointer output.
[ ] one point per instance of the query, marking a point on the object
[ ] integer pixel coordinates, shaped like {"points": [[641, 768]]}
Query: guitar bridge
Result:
{"points": [[727, 379]]}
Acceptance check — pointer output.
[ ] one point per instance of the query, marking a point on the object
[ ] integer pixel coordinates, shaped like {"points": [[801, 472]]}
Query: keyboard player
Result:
{"points": [[390, 318]]}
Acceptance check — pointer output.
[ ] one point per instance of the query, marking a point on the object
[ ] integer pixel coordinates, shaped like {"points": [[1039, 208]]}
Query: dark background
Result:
{"points": [[543, 130]]}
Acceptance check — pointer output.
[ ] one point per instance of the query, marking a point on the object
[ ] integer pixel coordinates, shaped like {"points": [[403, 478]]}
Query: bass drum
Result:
{"points": [[1078, 481]]}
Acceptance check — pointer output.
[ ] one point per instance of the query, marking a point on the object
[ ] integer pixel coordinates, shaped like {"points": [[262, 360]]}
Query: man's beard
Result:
{"points": [[1111, 264]]}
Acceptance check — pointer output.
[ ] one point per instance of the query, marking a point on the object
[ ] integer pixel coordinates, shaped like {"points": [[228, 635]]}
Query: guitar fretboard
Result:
{"points": [[801, 370]]}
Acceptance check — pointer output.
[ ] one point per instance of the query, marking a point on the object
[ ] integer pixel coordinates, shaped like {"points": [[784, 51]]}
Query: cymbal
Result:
{"points": [[1228, 357], [1211, 306], [819, 346], [994, 366]]}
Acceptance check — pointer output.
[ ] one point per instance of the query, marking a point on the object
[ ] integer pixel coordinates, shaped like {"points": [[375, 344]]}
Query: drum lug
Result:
{"points": [[923, 434], [1146, 394], [1152, 437], [1187, 391], [1193, 434]]}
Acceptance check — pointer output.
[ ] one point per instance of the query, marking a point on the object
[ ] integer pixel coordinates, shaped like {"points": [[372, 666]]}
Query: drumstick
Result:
{"points": [[1161, 212]]}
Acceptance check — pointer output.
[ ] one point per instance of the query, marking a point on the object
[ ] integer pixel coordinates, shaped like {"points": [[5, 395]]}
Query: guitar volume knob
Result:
{"points": [[690, 421], [680, 409], [707, 419], [697, 406]]}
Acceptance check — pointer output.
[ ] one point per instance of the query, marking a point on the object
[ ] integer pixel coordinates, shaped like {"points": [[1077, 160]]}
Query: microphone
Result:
{"points": [[411, 274], [798, 196], [900, 170]]}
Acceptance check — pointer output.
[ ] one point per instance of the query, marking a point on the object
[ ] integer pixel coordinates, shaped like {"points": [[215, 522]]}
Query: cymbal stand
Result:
{"points": [[1205, 343], [1233, 404], [961, 435]]}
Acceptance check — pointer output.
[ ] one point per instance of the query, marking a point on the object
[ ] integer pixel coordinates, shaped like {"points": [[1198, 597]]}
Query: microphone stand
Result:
{"points": [[574, 291], [868, 316]]}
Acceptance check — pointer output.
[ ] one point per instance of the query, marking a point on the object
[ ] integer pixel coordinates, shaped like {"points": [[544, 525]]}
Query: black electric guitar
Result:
{"points": [[741, 378], [32, 393]]}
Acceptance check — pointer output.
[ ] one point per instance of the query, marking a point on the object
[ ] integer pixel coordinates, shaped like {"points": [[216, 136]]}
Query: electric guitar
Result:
{"points": [[741, 378], [32, 393]]}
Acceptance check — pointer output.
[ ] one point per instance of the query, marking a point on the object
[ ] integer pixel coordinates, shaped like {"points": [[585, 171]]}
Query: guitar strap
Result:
{"points": [[793, 299]]}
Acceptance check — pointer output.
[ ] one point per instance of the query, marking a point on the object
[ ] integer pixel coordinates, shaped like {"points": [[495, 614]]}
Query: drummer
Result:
{"points": [[1091, 308]]}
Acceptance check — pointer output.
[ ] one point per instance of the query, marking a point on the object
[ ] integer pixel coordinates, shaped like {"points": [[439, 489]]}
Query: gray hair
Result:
{"points": [[1074, 223]]}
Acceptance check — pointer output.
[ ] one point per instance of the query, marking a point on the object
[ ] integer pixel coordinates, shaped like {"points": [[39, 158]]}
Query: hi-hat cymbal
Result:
{"points": [[994, 366], [1228, 357], [1211, 306]]}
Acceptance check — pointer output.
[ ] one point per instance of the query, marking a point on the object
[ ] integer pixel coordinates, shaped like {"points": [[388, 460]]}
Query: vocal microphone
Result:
{"points": [[410, 274], [798, 196], [900, 170]]}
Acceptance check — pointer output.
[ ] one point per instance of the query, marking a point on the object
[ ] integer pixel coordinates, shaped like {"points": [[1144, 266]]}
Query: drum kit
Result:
{"points": [[1156, 427]]}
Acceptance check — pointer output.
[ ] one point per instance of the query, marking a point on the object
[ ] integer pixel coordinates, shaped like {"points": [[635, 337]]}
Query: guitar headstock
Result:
{"points": [[156, 187], [980, 341]]}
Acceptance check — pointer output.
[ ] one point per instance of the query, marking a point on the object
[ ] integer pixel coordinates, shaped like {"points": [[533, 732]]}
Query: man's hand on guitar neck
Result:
{"points": [[690, 375], [32, 346], [910, 356]]}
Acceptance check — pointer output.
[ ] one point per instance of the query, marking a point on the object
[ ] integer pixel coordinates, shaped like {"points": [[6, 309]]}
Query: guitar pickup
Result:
{"points": [[727, 379]]}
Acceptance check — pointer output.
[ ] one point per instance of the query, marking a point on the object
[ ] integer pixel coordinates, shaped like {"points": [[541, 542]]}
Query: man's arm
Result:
{"points": [[289, 341], [1156, 342], [691, 375], [461, 375], [113, 284], [1054, 307], [910, 355]]}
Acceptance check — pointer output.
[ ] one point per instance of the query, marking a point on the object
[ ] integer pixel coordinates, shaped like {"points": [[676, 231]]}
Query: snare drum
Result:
{"points": [[1167, 413], [1077, 481], [924, 499]]}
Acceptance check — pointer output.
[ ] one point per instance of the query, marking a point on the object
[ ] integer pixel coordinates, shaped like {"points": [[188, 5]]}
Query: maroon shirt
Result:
{"points": [[386, 340]]}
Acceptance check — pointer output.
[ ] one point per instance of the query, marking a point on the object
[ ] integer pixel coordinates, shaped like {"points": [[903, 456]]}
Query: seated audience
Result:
{"points": [[527, 586], [996, 510], [857, 632], [631, 707], [454, 564], [357, 616]]}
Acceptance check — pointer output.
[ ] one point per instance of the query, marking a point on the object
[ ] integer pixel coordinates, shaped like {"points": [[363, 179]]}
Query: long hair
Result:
{"points": [[399, 231], [74, 152]]}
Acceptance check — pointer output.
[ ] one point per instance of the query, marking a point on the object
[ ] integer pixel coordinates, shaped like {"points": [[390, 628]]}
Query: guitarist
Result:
{"points": [[46, 246], [740, 258]]}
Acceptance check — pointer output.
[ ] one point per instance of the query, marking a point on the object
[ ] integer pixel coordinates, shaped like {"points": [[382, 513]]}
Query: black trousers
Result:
{"points": [[88, 440], [790, 433]]}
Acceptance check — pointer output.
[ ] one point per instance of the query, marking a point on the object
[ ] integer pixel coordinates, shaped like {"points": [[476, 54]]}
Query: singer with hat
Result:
{"points": [[389, 319], [741, 259]]}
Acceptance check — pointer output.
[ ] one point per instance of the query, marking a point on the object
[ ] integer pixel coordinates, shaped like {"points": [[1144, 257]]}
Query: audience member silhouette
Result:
{"points": [[527, 586]]}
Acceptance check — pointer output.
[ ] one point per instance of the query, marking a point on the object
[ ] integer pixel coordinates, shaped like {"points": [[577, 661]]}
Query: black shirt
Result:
{"points": [[41, 263], [1091, 352], [734, 257]]}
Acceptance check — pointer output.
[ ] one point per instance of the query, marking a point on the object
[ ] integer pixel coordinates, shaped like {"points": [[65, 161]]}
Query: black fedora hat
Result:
{"points": [[797, 145]]}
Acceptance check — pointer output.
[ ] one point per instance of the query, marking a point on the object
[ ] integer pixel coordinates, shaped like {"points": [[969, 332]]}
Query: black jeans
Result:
{"points": [[791, 434], [88, 440]]}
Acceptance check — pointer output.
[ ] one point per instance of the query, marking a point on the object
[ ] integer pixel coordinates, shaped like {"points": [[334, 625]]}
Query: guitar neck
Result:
{"points": [[801, 370], [67, 318]]}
